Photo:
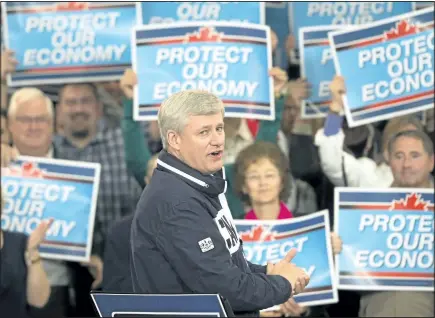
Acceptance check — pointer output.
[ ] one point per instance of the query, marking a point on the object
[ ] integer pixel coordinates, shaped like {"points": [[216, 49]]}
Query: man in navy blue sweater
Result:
{"points": [[183, 237]]}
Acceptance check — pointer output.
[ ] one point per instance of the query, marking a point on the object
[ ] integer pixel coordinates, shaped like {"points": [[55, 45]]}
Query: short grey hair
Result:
{"points": [[174, 112], [416, 134], [26, 94]]}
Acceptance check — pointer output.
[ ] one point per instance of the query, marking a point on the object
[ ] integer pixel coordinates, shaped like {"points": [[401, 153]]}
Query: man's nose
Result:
{"points": [[80, 107], [407, 162], [218, 138], [34, 124]]}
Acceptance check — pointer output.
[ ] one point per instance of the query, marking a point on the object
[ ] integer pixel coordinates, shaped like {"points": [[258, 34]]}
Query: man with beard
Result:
{"points": [[87, 137]]}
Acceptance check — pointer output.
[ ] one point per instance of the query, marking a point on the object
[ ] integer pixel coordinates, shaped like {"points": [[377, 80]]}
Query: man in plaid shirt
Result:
{"points": [[88, 138]]}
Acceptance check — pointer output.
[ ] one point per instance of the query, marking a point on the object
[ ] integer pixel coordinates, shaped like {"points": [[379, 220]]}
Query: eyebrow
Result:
{"points": [[204, 127], [210, 126]]}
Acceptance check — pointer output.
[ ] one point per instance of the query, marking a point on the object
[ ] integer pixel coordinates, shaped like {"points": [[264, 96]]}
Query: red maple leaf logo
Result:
{"points": [[402, 28], [205, 34], [257, 234], [412, 202], [27, 169], [71, 6]]}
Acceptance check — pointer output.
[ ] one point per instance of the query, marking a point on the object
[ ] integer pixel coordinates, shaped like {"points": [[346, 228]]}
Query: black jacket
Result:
{"points": [[184, 241], [116, 269], [13, 276]]}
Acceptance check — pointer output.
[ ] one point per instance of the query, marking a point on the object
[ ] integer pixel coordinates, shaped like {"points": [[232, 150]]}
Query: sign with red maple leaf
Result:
{"points": [[258, 234], [388, 239], [413, 202], [270, 241], [63, 42], [403, 28], [230, 60], [38, 189], [387, 66], [71, 6], [26, 169], [205, 34]]}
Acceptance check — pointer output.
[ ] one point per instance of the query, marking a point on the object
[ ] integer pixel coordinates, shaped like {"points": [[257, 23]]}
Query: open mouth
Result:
{"points": [[216, 154]]}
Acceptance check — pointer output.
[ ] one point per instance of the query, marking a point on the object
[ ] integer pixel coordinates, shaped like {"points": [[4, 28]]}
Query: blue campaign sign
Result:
{"points": [[320, 13], [388, 238], [317, 67], [270, 241], [387, 66], [278, 20], [38, 189], [66, 42], [168, 12], [138, 305], [229, 60]]}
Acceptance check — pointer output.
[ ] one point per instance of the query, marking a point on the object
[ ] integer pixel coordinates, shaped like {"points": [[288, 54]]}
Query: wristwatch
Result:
{"points": [[32, 257]]}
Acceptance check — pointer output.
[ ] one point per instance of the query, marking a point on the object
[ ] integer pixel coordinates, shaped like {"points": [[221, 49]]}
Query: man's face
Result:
{"points": [[387, 137], [80, 110], [201, 143], [31, 127], [410, 163]]}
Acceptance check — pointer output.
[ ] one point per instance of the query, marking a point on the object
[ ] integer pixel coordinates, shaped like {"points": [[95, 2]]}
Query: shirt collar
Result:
{"points": [[211, 184]]}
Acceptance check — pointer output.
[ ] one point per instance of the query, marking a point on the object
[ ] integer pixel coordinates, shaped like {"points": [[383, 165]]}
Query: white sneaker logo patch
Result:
{"points": [[206, 244]]}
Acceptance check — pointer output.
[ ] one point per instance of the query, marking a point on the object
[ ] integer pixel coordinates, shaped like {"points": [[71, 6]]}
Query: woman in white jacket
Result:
{"points": [[342, 168]]}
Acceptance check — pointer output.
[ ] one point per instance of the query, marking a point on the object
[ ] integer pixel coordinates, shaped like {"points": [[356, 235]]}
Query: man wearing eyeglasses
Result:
{"points": [[30, 123]]}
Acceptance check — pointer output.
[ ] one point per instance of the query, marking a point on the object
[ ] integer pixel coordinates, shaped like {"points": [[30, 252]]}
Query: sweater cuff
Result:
{"points": [[127, 104], [333, 124]]}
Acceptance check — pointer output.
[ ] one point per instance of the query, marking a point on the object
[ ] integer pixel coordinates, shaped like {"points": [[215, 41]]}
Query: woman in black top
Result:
{"points": [[23, 281]]}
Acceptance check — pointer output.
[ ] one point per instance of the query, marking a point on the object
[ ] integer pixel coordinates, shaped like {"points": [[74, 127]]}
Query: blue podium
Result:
{"points": [[142, 305]]}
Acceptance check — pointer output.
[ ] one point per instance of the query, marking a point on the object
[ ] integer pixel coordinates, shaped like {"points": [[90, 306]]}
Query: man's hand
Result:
{"points": [[8, 154], [337, 88], [299, 89], [291, 308], [297, 277], [128, 82], [95, 267], [280, 79], [38, 235], [9, 63], [336, 243]]}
